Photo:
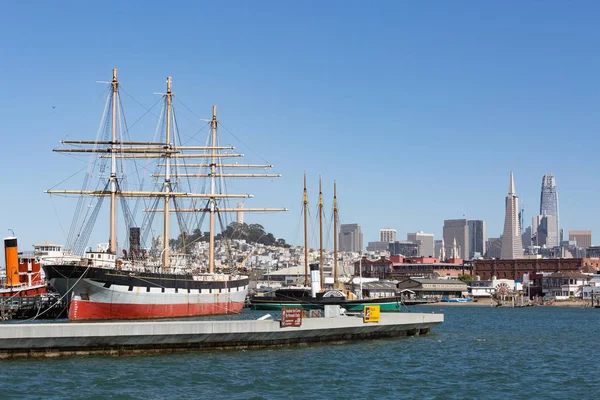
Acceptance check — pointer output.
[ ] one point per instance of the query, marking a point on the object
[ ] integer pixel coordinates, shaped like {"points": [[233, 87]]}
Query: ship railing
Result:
{"points": [[62, 259], [19, 301], [216, 277], [16, 287]]}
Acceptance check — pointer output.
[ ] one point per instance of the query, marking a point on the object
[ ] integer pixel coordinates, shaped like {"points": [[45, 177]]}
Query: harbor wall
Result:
{"points": [[119, 338]]}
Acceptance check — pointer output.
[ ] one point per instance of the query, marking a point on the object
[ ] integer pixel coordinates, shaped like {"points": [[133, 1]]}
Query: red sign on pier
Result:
{"points": [[291, 317]]}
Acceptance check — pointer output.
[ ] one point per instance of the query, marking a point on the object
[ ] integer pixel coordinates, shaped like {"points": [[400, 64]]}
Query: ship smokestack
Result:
{"points": [[11, 258], [315, 280], [134, 241]]}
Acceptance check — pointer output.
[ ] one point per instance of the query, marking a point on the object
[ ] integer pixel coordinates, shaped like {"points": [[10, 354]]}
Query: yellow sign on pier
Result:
{"points": [[371, 314]]}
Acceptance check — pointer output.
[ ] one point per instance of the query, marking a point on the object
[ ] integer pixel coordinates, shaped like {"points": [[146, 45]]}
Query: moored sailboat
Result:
{"points": [[105, 285], [316, 296]]}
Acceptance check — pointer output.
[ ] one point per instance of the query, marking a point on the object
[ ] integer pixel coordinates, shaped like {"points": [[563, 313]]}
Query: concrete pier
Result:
{"points": [[119, 338]]}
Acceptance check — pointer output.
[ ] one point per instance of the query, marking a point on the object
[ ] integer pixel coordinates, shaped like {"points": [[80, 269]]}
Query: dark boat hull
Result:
{"points": [[99, 293], [301, 298]]}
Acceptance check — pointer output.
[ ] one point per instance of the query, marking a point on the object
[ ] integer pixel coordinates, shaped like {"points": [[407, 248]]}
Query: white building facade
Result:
{"points": [[387, 235]]}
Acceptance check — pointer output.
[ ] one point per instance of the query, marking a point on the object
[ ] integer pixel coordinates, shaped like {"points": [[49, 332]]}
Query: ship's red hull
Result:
{"points": [[23, 291], [82, 309]]}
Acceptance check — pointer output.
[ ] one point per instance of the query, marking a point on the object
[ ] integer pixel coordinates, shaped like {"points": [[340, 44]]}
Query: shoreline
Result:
{"points": [[487, 303]]}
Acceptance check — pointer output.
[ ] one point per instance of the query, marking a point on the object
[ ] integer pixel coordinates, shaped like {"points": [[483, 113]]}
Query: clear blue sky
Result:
{"points": [[419, 110]]}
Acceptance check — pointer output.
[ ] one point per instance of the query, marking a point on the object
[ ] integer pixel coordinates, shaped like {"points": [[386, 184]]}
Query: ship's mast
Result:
{"points": [[171, 153], [305, 204], [321, 230], [213, 167], [167, 184], [112, 242], [335, 244]]}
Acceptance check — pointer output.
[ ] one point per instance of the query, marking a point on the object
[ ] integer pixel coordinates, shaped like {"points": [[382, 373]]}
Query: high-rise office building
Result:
{"points": [[477, 238], [549, 206], [551, 225], [544, 231], [351, 238], [494, 248], [387, 235], [378, 246], [404, 248], [456, 229], [512, 246], [583, 238], [425, 242], [538, 238], [526, 237]]}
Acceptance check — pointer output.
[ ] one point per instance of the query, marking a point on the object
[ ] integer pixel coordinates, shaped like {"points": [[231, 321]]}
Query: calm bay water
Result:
{"points": [[478, 352]]}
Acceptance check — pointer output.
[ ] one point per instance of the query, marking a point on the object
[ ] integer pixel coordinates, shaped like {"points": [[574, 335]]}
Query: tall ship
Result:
{"points": [[315, 295], [163, 282]]}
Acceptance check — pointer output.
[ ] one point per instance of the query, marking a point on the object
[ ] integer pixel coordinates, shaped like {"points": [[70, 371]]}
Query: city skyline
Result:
{"points": [[539, 231], [440, 99]]}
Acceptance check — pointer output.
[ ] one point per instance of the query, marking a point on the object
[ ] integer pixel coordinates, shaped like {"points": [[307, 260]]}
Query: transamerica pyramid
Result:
{"points": [[512, 246]]}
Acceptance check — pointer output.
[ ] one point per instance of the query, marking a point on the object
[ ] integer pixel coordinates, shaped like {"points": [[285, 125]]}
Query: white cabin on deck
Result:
{"points": [[47, 249], [50, 253], [101, 259], [179, 262]]}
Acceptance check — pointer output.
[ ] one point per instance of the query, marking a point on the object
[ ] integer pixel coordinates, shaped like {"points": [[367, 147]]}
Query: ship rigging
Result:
{"points": [[94, 294]]}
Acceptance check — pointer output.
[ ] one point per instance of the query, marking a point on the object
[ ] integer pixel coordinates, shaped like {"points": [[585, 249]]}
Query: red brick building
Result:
{"points": [[380, 268], [432, 270], [515, 269], [414, 260], [398, 267]]}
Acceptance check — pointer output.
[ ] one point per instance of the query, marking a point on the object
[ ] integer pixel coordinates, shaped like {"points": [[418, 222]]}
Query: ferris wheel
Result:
{"points": [[502, 289]]}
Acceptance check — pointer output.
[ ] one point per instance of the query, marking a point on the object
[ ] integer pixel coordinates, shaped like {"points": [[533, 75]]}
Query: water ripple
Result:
{"points": [[479, 352]]}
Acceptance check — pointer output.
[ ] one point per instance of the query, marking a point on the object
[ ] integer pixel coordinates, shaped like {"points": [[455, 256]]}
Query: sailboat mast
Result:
{"points": [[360, 273], [321, 230], [168, 100], [113, 167], [305, 204], [213, 166], [335, 236]]}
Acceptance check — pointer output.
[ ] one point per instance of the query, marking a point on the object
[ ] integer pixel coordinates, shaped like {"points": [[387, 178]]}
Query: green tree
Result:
{"points": [[253, 233]]}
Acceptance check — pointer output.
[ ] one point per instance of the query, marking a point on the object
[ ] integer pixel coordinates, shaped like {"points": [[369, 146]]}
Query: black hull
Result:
{"points": [[276, 300], [301, 297], [64, 277]]}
